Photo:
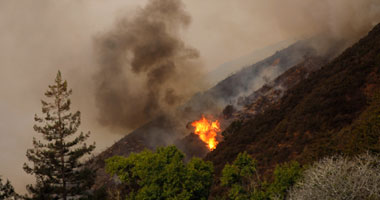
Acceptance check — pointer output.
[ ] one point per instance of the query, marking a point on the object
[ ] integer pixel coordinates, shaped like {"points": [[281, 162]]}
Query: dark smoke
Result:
{"points": [[145, 67]]}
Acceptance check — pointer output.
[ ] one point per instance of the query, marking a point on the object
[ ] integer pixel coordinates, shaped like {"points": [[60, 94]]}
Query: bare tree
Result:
{"points": [[340, 178]]}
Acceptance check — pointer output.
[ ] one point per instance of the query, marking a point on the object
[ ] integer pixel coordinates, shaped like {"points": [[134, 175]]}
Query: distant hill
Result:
{"points": [[231, 67], [249, 79]]}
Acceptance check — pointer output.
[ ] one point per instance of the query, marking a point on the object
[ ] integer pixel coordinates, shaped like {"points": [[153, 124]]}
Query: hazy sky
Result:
{"points": [[41, 36]]}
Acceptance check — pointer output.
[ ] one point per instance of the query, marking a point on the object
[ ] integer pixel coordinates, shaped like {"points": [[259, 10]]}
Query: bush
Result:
{"points": [[242, 181], [238, 177], [162, 175], [340, 178], [285, 176]]}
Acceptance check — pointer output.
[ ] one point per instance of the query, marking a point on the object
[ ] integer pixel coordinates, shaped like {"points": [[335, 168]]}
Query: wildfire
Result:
{"points": [[207, 131]]}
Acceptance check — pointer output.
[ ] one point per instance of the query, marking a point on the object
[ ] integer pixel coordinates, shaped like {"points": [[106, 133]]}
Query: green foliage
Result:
{"points": [[241, 182], [162, 175], [56, 161], [239, 177], [240, 172], [285, 176]]}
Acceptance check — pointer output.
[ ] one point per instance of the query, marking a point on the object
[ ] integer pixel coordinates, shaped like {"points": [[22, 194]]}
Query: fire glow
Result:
{"points": [[207, 131]]}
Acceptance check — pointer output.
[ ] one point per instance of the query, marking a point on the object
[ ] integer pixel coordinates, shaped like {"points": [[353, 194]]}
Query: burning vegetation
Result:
{"points": [[207, 131]]}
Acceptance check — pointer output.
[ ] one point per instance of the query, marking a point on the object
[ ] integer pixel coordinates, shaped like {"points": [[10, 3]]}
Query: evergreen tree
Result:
{"points": [[56, 161], [6, 190]]}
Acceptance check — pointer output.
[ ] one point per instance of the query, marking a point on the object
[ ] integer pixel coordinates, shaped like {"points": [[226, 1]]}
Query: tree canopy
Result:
{"points": [[162, 175], [243, 182]]}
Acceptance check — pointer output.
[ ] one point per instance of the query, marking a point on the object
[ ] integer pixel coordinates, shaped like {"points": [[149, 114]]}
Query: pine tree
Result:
{"points": [[56, 161], [6, 190]]}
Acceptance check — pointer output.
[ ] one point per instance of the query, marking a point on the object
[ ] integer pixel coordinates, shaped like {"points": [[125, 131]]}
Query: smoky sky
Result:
{"points": [[145, 68], [237, 27], [93, 43]]}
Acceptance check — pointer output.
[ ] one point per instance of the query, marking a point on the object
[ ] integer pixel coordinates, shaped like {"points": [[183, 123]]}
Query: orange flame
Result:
{"points": [[207, 131]]}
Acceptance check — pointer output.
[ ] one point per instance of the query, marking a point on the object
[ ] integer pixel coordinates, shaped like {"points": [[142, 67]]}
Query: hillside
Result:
{"points": [[295, 105], [334, 110], [167, 130], [233, 66]]}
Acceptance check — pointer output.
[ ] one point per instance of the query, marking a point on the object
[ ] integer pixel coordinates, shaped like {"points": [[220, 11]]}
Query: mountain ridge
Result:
{"points": [[160, 131], [304, 125], [164, 130]]}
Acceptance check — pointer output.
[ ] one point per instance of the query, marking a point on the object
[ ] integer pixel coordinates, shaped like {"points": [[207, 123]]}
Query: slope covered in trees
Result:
{"points": [[334, 111], [164, 130]]}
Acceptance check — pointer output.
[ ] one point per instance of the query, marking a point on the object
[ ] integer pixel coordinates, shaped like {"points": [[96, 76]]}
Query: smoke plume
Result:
{"points": [[40, 37], [245, 25], [145, 68]]}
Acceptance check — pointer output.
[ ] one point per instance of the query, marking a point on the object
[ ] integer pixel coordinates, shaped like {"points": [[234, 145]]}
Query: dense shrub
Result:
{"points": [[162, 175], [242, 181], [285, 176], [340, 178], [239, 177]]}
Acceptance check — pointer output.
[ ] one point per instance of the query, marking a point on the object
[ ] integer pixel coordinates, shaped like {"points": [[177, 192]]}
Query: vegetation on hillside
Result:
{"points": [[325, 122], [318, 117], [162, 175], [334, 111], [239, 177], [243, 182]]}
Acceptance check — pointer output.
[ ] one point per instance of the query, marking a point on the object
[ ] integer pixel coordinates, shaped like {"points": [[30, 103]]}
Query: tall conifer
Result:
{"points": [[56, 160]]}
